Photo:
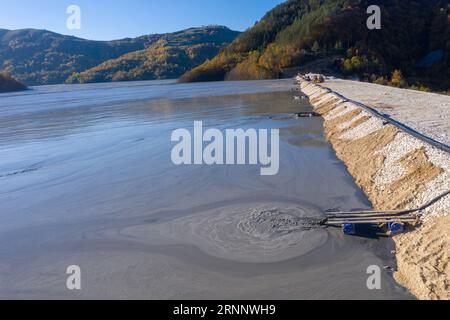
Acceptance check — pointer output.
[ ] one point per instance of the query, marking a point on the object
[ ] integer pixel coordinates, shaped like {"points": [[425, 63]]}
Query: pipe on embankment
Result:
{"points": [[398, 169], [383, 155]]}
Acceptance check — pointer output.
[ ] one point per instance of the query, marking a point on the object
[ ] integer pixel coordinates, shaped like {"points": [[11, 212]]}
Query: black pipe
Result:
{"points": [[392, 213]]}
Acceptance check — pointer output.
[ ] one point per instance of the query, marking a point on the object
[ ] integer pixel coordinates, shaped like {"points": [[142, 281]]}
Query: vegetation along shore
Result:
{"points": [[9, 84]]}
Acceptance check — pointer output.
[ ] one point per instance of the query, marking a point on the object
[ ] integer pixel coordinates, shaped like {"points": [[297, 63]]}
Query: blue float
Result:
{"points": [[349, 228], [396, 227]]}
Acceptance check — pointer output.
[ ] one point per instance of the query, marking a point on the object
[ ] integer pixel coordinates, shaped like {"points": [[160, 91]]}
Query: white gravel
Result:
{"points": [[364, 129], [428, 113], [328, 97], [348, 124], [392, 171], [402, 145], [438, 186], [340, 111]]}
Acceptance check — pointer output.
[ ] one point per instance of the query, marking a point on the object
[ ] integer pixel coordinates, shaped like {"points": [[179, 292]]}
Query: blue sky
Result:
{"points": [[114, 19]]}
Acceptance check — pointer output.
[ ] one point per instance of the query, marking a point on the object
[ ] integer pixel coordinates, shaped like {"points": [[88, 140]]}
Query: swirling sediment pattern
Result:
{"points": [[250, 233]]}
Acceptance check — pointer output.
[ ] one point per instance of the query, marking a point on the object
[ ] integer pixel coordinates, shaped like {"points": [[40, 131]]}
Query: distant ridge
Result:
{"points": [[39, 57], [331, 36], [167, 58]]}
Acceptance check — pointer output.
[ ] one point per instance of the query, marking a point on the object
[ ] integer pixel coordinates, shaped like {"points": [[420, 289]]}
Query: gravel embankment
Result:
{"points": [[428, 113], [396, 170]]}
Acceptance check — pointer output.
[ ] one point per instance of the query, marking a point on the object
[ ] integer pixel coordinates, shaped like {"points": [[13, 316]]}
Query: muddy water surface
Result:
{"points": [[86, 179]]}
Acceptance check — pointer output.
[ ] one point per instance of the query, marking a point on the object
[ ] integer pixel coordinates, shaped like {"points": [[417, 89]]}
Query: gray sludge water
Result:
{"points": [[86, 179]]}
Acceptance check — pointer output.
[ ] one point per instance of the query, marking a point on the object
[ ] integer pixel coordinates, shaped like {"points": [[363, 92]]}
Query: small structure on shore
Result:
{"points": [[394, 221], [310, 114], [313, 77]]}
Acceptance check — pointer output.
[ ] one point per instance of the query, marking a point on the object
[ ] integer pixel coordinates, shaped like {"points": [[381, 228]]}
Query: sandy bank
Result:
{"points": [[396, 171]]}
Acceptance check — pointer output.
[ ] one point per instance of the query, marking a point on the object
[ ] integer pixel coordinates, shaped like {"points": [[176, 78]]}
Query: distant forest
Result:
{"points": [[40, 57], [168, 58], [412, 49]]}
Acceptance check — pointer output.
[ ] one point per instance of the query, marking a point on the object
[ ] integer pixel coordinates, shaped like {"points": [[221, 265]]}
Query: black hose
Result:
{"points": [[429, 204], [394, 213]]}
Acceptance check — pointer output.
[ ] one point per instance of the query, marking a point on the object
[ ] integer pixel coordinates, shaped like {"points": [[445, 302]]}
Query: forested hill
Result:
{"points": [[37, 57], [168, 58], [412, 48]]}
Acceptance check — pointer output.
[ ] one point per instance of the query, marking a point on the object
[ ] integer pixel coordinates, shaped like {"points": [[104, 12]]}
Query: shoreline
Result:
{"points": [[396, 171], [9, 84]]}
